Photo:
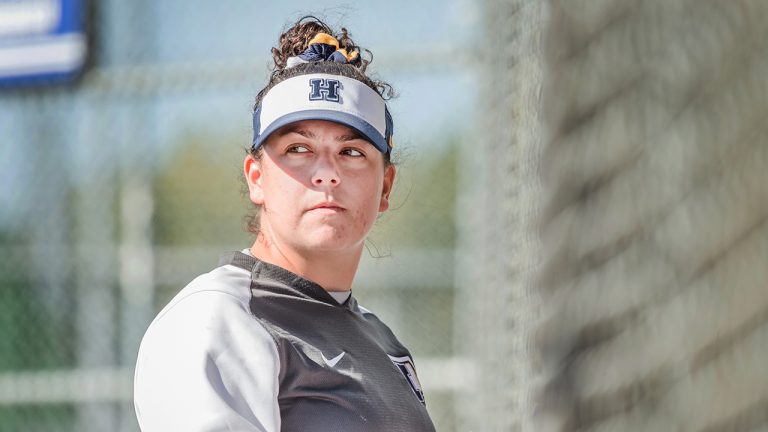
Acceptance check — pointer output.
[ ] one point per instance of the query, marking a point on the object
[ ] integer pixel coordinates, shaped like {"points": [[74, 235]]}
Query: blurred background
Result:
{"points": [[578, 238], [122, 133]]}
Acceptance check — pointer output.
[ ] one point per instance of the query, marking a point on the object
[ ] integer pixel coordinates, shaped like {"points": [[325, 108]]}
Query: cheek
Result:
{"points": [[281, 193], [369, 194], [363, 218]]}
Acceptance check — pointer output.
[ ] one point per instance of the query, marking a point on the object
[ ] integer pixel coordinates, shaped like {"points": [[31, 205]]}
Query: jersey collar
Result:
{"points": [[277, 280]]}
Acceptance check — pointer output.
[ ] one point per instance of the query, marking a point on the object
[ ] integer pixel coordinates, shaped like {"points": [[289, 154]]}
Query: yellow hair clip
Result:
{"points": [[324, 38], [351, 56]]}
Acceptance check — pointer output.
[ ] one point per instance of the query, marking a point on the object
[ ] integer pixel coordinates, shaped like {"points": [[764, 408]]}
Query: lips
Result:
{"points": [[327, 206]]}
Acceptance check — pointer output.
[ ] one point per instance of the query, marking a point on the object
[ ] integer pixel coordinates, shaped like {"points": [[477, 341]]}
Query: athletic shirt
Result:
{"points": [[251, 346]]}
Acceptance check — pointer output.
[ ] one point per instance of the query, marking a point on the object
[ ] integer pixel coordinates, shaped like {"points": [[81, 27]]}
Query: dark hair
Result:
{"points": [[292, 43]]}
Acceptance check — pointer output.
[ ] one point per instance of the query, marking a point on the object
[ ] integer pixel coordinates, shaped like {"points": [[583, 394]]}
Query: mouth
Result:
{"points": [[327, 208]]}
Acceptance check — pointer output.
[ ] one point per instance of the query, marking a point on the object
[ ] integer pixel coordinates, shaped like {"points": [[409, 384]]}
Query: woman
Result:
{"points": [[272, 339]]}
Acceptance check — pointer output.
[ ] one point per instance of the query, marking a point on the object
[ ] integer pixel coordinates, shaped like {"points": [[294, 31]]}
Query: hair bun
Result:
{"points": [[324, 47], [298, 38]]}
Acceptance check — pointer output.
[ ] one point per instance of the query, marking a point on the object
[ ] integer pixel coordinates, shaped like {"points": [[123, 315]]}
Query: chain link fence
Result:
{"points": [[612, 270], [498, 204], [119, 189], [654, 172]]}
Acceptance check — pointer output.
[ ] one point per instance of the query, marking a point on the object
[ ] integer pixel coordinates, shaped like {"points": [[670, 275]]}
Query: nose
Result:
{"points": [[326, 174]]}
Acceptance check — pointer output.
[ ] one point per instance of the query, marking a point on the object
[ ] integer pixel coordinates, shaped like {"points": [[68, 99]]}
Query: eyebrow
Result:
{"points": [[310, 135], [349, 137], [296, 130]]}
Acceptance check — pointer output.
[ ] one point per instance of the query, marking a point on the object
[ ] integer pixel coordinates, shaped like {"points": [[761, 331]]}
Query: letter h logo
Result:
{"points": [[324, 89]]}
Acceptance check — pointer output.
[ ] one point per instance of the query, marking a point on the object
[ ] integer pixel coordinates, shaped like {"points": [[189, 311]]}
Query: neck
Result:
{"points": [[334, 271]]}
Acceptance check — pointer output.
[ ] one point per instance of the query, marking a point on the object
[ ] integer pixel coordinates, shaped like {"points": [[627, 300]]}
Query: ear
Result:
{"points": [[389, 180], [252, 171]]}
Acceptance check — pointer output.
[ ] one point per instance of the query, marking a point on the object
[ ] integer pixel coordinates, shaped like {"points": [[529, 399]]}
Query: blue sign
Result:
{"points": [[41, 41]]}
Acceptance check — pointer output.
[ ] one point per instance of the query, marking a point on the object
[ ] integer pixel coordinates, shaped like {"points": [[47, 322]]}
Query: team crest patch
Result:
{"points": [[405, 364], [324, 89]]}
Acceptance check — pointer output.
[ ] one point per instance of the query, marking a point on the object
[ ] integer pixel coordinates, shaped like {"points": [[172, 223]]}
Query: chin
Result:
{"points": [[331, 240]]}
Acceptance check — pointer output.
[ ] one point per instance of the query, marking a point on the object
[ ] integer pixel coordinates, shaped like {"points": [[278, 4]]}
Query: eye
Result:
{"points": [[352, 152], [297, 149]]}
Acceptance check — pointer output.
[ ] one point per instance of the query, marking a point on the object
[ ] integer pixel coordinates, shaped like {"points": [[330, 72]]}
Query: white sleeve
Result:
{"points": [[206, 364]]}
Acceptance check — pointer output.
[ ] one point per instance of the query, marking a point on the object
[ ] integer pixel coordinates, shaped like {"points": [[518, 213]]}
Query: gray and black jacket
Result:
{"points": [[251, 346]]}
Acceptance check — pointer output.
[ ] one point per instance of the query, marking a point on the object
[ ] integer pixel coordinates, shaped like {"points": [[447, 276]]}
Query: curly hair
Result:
{"points": [[296, 39]]}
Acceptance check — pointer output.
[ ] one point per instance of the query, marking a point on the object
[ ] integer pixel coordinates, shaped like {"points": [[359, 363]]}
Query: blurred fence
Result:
{"points": [[613, 270], [498, 205], [112, 200], [655, 182]]}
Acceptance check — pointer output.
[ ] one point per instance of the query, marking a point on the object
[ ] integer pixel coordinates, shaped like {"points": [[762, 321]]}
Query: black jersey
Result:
{"points": [[276, 352]]}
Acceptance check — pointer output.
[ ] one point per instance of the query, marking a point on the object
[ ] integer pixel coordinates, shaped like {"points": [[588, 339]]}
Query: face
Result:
{"points": [[320, 185]]}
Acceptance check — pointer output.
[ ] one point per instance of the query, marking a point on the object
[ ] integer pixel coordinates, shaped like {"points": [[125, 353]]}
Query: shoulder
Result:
{"points": [[202, 348], [212, 310], [380, 329], [227, 283], [216, 294], [367, 314]]}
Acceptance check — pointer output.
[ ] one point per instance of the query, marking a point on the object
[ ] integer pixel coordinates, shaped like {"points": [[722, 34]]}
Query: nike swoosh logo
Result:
{"points": [[332, 362]]}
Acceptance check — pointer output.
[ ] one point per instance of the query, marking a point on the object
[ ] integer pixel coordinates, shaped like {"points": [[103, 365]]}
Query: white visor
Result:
{"points": [[324, 97]]}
